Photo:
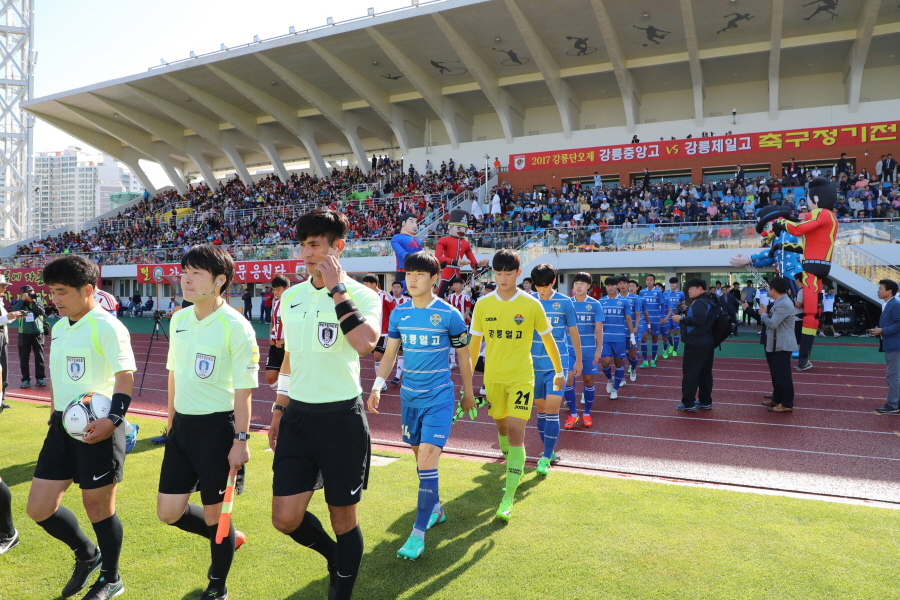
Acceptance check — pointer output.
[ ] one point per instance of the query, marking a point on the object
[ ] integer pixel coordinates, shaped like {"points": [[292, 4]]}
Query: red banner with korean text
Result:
{"points": [[19, 277], [255, 271], [773, 141]]}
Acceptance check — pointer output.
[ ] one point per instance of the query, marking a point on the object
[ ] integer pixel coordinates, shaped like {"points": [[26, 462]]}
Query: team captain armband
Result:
{"points": [[459, 341], [345, 308], [352, 322]]}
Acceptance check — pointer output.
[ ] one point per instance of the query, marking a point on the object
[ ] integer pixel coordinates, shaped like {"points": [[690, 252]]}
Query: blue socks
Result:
{"points": [[644, 350], [655, 349], [428, 500], [607, 371], [675, 342], [588, 399], [570, 400], [541, 423], [620, 375], [551, 433]]}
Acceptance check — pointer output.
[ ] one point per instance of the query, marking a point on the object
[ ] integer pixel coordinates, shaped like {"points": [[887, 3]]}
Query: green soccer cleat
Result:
{"points": [[674, 353], [505, 510], [643, 365], [665, 354], [436, 518], [412, 549], [543, 466], [653, 363]]}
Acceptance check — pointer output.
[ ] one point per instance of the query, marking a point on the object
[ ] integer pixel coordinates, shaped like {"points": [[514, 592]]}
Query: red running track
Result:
{"points": [[833, 444]]}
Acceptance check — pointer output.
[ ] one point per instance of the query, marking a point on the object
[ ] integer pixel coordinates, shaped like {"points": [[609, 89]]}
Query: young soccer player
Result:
{"points": [[673, 298], [561, 312], [653, 301], [276, 333], [387, 305], [505, 320], [617, 321], [638, 325], [399, 299], [213, 364], [589, 315], [428, 328], [461, 302], [91, 353]]}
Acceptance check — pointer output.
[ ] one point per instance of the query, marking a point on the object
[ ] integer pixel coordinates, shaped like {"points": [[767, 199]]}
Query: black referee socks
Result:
{"points": [[193, 521], [222, 556], [349, 557], [6, 523], [109, 538], [311, 535], [64, 526]]}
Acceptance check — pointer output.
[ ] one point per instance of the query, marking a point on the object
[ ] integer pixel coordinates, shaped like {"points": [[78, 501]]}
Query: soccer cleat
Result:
{"points": [[161, 438], [665, 354], [674, 353], [212, 594], [653, 363], [131, 438], [412, 549], [383, 387], [643, 365], [554, 458], [505, 510], [805, 367], [622, 383], [8, 543], [684, 408], [609, 386], [101, 590], [570, 422], [81, 572], [395, 381], [41, 383], [240, 538], [436, 518], [587, 421], [613, 394], [26, 383], [543, 466], [633, 375]]}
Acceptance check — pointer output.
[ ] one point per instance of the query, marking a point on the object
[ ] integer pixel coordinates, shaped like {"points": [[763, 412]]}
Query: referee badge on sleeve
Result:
{"points": [[204, 365], [328, 334]]}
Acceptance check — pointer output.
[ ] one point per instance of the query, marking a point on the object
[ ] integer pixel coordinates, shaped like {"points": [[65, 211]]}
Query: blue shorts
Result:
{"points": [[613, 349], [429, 425], [664, 328], [543, 384], [653, 328], [587, 362]]}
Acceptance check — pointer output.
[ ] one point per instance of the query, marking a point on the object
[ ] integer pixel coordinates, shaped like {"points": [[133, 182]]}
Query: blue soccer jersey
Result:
{"points": [[653, 303], [588, 313], [615, 326], [637, 317], [672, 300], [425, 334], [561, 314]]}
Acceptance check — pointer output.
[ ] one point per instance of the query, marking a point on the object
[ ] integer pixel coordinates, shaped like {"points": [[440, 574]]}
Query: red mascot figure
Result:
{"points": [[817, 236], [454, 252]]}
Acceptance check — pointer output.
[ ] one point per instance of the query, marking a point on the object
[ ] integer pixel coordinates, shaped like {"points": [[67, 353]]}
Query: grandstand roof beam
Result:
{"points": [[775, 56], [510, 110], [195, 153], [138, 140], [566, 101], [165, 161], [166, 132], [457, 120], [693, 46], [856, 61], [329, 106], [631, 95], [229, 147], [408, 128]]}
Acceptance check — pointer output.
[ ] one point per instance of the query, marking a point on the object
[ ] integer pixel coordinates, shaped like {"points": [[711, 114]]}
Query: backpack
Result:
{"points": [[721, 327]]}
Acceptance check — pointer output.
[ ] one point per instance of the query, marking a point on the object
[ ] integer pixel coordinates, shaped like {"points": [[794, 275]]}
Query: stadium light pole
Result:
{"points": [[487, 157]]}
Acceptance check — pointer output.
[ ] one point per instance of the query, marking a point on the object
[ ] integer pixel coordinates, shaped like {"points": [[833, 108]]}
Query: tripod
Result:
{"points": [[157, 327]]}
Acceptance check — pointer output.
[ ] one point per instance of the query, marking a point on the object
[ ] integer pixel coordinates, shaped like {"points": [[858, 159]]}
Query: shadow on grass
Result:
{"points": [[470, 522], [193, 594], [15, 474]]}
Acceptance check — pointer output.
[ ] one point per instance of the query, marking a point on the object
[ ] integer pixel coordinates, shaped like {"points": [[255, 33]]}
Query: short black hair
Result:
{"points": [[543, 275], [611, 280], [779, 284], [528, 279], [718, 283], [214, 259], [506, 260], [889, 284], [673, 280], [696, 282], [634, 281], [829, 287], [400, 283], [583, 277], [422, 262], [72, 270], [651, 275], [370, 278], [280, 281], [622, 279], [798, 275], [321, 221], [660, 285]]}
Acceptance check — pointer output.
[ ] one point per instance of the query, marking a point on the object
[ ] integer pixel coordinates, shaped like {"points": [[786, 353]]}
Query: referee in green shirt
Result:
{"points": [[213, 367], [319, 428], [91, 353]]}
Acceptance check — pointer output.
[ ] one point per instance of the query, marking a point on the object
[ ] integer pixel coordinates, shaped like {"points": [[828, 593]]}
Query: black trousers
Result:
{"points": [[4, 363], [696, 374], [29, 342], [782, 379]]}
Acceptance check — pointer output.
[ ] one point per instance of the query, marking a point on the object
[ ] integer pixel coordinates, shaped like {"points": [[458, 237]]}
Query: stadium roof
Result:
{"points": [[382, 81]]}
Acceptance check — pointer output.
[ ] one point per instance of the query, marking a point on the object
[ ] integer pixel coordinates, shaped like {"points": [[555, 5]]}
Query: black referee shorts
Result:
{"points": [[91, 466], [329, 440], [382, 344], [196, 457], [275, 359]]}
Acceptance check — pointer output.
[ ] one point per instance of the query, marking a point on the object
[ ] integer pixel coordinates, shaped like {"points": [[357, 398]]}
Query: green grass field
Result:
{"points": [[573, 536]]}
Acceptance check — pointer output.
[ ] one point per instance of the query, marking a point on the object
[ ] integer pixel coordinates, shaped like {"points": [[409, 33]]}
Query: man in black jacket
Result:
{"points": [[31, 335], [696, 332]]}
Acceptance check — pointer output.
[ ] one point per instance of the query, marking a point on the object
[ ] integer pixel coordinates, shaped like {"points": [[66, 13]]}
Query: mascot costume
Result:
{"points": [[783, 251], [818, 235], [405, 243], [454, 252]]}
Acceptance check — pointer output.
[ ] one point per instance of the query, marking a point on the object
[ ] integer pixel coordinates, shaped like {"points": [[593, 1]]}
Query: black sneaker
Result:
{"points": [[102, 590], [8, 543], [211, 594], [81, 573], [885, 410], [805, 367]]}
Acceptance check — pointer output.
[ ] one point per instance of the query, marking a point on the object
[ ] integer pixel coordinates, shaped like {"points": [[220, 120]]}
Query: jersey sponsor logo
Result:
{"points": [[75, 367], [490, 318], [519, 319], [204, 364], [327, 334], [556, 305], [435, 319]]}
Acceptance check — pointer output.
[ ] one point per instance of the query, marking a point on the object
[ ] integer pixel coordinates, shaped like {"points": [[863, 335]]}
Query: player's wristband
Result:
{"points": [[379, 383], [345, 308], [119, 406], [559, 374], [352, 322], [284, 382]]}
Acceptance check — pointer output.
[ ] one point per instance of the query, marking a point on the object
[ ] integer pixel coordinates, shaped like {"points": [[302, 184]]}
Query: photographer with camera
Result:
{"points": [[31, 335]]}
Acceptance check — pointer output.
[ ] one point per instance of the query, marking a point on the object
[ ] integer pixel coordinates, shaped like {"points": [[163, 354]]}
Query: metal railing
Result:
{"points": [[864, 263]]}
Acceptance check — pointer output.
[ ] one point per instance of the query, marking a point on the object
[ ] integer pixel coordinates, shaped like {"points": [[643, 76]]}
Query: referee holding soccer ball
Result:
{"points": [[319, 426], [91, 352], [213, 367]]}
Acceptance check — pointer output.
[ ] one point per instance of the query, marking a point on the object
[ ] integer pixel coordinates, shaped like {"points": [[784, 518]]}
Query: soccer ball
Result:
{"points": [[83, 409]]}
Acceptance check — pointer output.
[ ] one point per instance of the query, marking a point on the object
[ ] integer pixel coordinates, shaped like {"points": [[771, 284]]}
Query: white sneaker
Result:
{"points": [[633, 375], [836, 334], [821, 334], [482, 392], [622, 383], [613, 395], [582, 398], [383, 387], [609, 386]]}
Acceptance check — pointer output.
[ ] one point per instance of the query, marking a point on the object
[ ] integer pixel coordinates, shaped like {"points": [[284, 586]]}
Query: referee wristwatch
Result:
{"points": [[242, 437], [338, 289]]}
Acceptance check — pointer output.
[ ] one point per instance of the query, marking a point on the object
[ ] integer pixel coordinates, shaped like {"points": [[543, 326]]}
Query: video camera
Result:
{"points": [[158, 314]]}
